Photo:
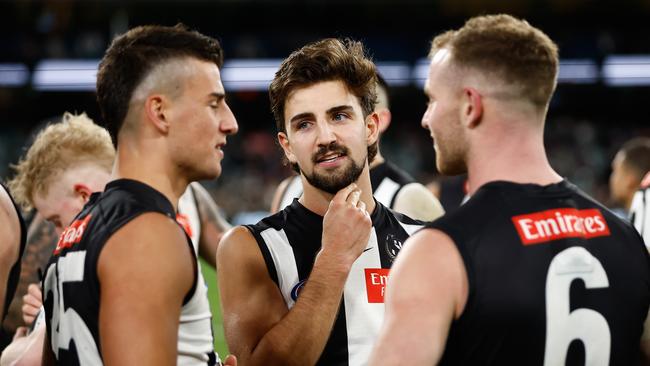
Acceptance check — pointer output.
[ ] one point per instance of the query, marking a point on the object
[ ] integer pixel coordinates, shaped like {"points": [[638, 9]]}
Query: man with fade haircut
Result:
{"points": [[123, 284], [629, 166], [392, 186], [66, 163], [12, 246], [530, 270], [312, 292]]}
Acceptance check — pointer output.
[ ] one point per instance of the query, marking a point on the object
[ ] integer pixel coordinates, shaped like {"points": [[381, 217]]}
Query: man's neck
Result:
{"points": [[150, 169], [317, 200], [517, 157]]}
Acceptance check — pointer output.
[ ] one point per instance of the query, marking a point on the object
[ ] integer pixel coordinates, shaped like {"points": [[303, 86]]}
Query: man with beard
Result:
{"points": [[313, 284], [529, 271], [392, 186]]}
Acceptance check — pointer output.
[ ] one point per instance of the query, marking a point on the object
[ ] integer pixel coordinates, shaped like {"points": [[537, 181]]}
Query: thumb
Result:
{"points": [[231, 360]]}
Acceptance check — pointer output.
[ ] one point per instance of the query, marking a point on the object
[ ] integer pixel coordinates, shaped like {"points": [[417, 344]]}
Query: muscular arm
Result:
{"points": [[259, 328], [417, 202], [145, 271], [9, 243], [419, 313], [41, 241], [213, 225]]}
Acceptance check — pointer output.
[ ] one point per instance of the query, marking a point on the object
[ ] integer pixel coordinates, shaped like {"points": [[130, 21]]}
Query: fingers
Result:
{"points": [[35, 290], [20, 333], [342, 195]]}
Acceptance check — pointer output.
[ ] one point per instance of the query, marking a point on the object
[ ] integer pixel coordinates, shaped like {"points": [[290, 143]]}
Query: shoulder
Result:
{"points": [[149, 240], [287, 190], [416, 201], [236, 242]]}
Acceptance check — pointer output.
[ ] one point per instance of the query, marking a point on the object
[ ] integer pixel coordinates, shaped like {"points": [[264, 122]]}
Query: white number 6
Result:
{"points": [[564, 326]]}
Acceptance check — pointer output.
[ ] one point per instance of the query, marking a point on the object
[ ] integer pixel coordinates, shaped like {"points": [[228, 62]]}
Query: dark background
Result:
{"points": [[587, 122]]}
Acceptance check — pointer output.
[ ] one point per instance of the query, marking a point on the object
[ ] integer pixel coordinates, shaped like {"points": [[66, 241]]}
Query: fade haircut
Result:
{"points": [[636, 155], [329, 59], [508, 49], [74, 141], [132, 56]]}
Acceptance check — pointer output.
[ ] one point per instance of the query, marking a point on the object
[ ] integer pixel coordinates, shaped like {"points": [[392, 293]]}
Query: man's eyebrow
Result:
{"points": [[301, 116], [218, 96], [340, 108]]}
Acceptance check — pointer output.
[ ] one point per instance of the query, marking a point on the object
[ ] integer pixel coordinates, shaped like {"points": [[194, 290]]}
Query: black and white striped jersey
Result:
{"points": [[72, 290], [289, 242], [640, 214], [386, 180]]}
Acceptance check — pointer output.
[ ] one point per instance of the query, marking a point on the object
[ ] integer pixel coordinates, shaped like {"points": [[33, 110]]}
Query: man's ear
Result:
{"points": [[385, 118], [372, 128], [157, 111], [472, 108], [83, 191], [283, 139]]}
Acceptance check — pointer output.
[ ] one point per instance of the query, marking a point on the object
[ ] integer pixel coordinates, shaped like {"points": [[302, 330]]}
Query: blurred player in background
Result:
{"points": [[629, 166]]}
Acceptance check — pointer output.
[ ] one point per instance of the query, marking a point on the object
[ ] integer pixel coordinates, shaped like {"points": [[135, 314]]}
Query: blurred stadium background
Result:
{"points": [[49, 52]]}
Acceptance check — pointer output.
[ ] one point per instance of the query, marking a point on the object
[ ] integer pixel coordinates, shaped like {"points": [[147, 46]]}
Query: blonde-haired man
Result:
{"points": [[67, 162]]}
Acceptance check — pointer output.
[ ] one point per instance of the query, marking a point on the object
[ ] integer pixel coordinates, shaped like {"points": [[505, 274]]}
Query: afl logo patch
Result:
{"points": [[392, 245], [295, 291]]}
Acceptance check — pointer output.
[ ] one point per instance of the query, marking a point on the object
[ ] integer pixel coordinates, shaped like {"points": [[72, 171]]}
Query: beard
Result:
{"points": [[337, 180]]}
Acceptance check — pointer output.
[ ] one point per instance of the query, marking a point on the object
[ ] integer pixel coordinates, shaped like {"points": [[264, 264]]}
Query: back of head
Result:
{"points": [[60, 146], [505, 50], [326, 60], [134, 55], [636, 156]]}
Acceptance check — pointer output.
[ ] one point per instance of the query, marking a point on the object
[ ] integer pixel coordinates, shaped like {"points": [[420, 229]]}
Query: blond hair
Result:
{"points": [[73, 141], [512, 50]]}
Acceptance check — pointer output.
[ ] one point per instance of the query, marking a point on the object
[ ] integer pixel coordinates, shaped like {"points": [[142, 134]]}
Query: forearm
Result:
{"points": [[300, 336]]}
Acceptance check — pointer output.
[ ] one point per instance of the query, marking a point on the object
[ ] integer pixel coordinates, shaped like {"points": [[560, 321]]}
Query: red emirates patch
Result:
{"points": [[376, 279], [545, 226], [72, 234], [184, 222]]}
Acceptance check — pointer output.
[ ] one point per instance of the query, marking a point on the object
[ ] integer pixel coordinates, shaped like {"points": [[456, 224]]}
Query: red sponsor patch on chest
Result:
{"points": [[184, 221], [560, 223], [376, 279], [72, 234]]}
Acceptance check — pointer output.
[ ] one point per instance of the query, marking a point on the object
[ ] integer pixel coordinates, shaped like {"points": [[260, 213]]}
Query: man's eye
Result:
{"points": [[340, 116]]}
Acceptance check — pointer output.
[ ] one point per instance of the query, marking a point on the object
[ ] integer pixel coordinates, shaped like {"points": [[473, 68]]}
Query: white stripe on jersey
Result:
{"points": [[640, 213], [410, 229], [363, 319], [284, 261], [386, 191]]}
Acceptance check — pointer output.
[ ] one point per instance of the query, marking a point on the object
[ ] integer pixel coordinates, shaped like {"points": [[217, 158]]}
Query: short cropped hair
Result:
{"points": [[134, 54], [636, 155], [510, 49], [73, 141]]}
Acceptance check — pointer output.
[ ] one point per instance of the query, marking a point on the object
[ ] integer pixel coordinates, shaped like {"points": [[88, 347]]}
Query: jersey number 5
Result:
{"points": [[563, 326], [67, 325]]}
